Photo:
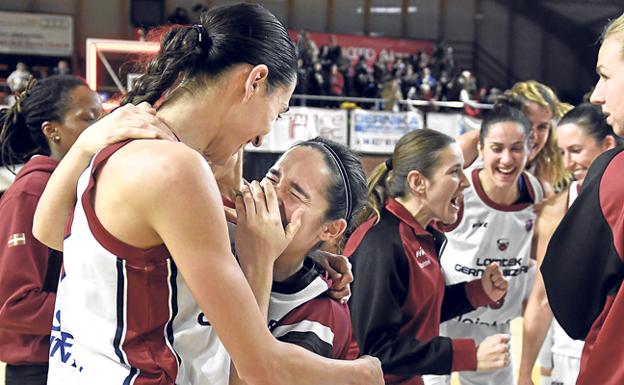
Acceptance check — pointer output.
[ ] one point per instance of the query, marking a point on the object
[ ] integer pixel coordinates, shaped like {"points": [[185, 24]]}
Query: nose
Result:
{"points": [[597, 96], [506, 157], [463, 181]]}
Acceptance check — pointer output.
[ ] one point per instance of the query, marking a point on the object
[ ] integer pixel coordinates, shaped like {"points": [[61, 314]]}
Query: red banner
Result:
{"points": [[355, 46]]}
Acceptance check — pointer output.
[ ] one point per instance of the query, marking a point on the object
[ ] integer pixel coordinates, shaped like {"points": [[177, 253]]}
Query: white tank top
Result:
{"points": [[486, 233], [125, 315]]}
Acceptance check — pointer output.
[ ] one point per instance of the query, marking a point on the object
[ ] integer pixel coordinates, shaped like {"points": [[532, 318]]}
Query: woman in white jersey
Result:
{"points": [[149, 277], [582, 135], [495, 225]]}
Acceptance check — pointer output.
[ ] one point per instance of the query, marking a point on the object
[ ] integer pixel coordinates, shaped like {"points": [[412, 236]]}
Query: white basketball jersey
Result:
{"points": [[486, 233], [562, 343], [125, 315]]}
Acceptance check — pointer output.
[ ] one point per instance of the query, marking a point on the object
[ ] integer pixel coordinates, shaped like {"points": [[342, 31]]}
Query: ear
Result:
{"points": [[50, 131], [256, 77], [333, 230], [608, 142], [416, 182]]}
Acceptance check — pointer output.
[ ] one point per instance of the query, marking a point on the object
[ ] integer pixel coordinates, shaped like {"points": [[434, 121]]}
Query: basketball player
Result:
{"points": [[495, 225]]}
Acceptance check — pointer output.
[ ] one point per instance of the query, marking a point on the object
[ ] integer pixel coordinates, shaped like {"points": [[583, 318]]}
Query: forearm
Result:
{"points": [[30, 314], [260, 279], [536, 322], [468, 143], [58, 199]]}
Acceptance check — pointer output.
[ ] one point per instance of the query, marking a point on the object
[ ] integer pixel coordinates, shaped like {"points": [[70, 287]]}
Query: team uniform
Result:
{"points": [[487, 232], [583, 270], [29, 273], [125, 315], [301, 313], [399, 299]]}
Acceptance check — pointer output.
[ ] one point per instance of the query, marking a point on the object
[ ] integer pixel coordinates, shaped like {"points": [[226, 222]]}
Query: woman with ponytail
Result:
{"points": [[399, 295], [151, 292], [38, 129]]}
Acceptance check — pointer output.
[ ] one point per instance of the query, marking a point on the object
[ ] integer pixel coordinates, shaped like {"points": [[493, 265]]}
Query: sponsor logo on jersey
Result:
{"points": [[529, 225], [502, 244], [61, 343], [421, 258], [479, 224]]}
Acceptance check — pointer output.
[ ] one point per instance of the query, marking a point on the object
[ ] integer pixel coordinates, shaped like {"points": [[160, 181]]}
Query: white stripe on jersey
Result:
{"points": [[281, 304], [305, 326]]}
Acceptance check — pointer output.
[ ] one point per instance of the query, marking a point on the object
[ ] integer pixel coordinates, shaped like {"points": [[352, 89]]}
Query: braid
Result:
{"points": [[182, 47]]}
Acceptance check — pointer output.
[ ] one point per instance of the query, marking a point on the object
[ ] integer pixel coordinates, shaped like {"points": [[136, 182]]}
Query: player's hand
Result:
{"points": [[260, 235], [339, 269], [494, 283], [126, 122], [493, 353]]}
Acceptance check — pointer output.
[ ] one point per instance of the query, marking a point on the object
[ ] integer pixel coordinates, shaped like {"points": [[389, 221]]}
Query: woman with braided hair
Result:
{"points": [[149, 277], [38, 129]]}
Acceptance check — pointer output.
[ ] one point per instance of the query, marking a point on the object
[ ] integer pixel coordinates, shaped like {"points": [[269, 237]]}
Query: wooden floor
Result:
{"points": [[516, 327]]}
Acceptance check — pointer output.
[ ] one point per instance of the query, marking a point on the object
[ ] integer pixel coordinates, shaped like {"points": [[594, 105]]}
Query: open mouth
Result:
{"points": [[456, 202], [579, 174], [506, 171]]}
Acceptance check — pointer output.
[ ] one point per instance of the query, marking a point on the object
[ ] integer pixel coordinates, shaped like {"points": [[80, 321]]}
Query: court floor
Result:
{"points": [[516, 327]]}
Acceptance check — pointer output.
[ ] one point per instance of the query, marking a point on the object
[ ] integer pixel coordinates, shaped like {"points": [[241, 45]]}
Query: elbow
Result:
{"points": [[43, 235], [270, 368]]}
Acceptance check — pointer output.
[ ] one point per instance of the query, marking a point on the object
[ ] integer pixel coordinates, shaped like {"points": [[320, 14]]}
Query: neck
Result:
{"points": [[286, 266], [505, 196], [182, 115], [417, 209]]}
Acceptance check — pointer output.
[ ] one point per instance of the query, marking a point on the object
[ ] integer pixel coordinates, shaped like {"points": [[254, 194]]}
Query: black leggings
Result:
{"points": [[26, 374]]}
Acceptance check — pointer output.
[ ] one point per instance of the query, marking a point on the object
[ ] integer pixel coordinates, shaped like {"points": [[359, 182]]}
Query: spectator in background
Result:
{"points": [[336, 81], [62, 68], [392, 93], [18, 79], [303, 82]]}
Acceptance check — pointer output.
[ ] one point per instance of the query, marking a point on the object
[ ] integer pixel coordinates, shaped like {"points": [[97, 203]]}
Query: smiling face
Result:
{"points": [[504, 152], [541, 124], [301, 179], [609, 90], [251, 120], [444, 186], [578, 149]]}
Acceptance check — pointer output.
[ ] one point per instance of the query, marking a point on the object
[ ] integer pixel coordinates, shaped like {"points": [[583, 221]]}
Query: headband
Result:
{"points": [[345, 179]]}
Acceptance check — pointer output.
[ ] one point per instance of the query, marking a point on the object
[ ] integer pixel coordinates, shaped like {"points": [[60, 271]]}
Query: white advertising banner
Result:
{"points": [[452, 124], [36, 34], [303, 123], [378, 131]]}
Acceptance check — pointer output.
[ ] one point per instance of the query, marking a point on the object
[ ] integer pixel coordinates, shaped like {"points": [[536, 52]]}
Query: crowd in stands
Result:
{"points": [[18, 79], [327, 71]]}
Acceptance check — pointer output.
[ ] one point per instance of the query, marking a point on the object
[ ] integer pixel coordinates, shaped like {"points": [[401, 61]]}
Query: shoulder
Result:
{"points": [[158, 165], [323, 319]]}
